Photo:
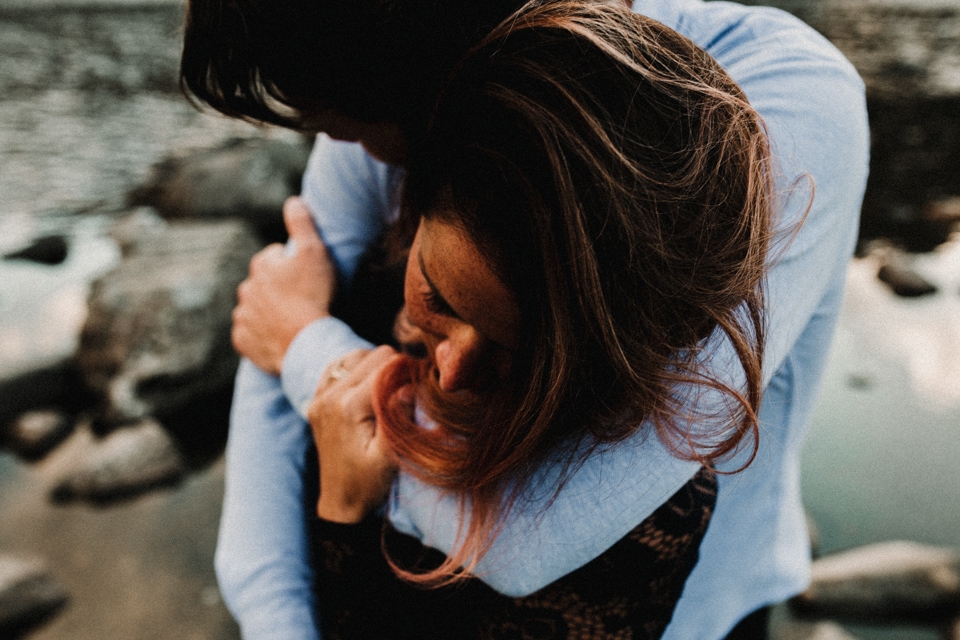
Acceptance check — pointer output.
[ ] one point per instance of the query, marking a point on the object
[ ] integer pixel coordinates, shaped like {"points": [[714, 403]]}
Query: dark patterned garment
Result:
{"points": [[628, 592]]}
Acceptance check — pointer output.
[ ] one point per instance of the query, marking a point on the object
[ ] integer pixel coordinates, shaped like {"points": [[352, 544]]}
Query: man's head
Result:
{"points": [[303, 63]]}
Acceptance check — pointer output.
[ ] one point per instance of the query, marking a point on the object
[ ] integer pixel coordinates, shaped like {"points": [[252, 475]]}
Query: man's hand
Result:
{"points": [[283, 293], [356, 463]]}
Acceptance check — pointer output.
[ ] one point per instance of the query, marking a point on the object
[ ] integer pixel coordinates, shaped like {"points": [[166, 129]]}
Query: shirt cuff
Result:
{"points": [[311, 352]]}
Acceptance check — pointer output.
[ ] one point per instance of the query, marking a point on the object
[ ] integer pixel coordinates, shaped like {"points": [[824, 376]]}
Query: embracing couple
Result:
{"points": [[625, 232]]}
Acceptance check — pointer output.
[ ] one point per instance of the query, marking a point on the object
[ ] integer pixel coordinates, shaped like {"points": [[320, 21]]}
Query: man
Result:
{"points": [[755, 552]]}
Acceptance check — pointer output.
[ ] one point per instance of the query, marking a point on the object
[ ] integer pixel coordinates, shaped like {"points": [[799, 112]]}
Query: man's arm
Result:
{"points": [[261, 558]]}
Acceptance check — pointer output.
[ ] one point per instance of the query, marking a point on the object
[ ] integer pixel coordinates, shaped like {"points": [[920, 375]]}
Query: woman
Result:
{"points": [[592, 206]]}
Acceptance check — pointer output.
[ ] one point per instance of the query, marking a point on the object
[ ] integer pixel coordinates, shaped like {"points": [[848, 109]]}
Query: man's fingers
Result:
{"points": [[299, 223], [270, 253]]}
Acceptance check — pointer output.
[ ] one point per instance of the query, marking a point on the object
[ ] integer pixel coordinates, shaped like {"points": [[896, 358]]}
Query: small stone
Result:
{"points": [[35, 433], [892, 581], [49, 250], [904, 281], [243, 178], [127, 462], [28, 595]]}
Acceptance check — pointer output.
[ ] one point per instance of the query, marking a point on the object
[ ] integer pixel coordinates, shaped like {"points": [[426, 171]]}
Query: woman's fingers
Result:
{"points": [[364, 371], [344, 400], [356, 465]]}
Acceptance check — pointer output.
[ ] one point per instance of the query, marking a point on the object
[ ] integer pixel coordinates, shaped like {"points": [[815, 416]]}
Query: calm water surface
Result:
{"points": [[881, 457]]}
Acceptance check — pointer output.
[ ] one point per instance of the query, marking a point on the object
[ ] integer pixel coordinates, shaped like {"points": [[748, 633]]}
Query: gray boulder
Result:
{"points": [[908, 53], [892, 581], [157, 336], [243, 178], [126, 462], [28, 594]]}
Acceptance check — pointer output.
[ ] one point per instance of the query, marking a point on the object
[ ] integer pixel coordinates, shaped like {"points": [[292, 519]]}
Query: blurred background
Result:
{"points": [[127, 219]]}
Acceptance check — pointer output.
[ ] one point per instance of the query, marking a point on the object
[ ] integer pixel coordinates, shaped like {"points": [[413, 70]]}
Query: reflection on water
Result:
{"points": [[43, 307], [881, 457]]}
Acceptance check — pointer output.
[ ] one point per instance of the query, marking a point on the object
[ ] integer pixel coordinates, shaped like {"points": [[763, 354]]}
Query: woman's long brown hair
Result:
{"points": [[620, 184]]}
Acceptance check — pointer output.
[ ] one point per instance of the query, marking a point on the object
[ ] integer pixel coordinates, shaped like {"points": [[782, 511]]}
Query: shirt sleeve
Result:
{"points": [[262, 541], [262, 545], [351, 197]]}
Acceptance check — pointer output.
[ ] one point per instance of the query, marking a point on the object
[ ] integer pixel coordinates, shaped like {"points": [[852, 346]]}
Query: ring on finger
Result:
{"points": [[339, 371]]}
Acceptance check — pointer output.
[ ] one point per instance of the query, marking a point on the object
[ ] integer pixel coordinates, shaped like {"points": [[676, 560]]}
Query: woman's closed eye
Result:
{"points": [[435, 303]]}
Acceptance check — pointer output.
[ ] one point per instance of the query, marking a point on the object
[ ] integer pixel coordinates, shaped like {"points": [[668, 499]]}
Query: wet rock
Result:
{"points": [[126, 462], [904, 281], [28, 595], [130, 229], [157, 336], [892, 581], [49, 250], [908, 54], [34, 433], [915, 160], [244, 178], [897, 272]]}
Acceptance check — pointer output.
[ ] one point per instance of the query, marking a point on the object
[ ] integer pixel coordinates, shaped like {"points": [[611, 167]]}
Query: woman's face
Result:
{"points": [[470, 320]]}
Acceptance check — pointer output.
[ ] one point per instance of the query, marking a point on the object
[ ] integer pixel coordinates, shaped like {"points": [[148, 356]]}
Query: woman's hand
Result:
{"points": [[284, 292], [356, 464]]}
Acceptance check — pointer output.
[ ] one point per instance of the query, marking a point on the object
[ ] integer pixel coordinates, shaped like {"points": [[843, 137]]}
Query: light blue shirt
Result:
{"points": [[756, 550]]}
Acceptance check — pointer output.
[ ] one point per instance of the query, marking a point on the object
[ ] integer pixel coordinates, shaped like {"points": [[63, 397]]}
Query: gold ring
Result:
{"points": [[338, 372]]}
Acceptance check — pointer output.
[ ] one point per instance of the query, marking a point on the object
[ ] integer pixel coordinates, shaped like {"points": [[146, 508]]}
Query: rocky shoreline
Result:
{"points": [[131, 220]]}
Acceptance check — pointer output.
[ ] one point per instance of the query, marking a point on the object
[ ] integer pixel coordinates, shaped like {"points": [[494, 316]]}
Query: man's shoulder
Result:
{"points": [[745, 39]]}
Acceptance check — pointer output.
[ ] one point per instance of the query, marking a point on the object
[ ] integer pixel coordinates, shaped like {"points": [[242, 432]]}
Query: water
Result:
{"points": [[881, 457]]}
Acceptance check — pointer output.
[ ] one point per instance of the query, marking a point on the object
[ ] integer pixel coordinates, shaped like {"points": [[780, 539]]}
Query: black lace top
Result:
{"points": [[628, 592]]}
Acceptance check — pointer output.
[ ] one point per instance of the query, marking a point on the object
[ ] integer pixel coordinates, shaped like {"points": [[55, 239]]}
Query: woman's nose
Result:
{"points": [[458, 358]]}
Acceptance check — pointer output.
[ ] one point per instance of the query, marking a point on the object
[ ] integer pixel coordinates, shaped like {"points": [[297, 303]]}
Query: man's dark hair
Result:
{"points": [[279, 61]]}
